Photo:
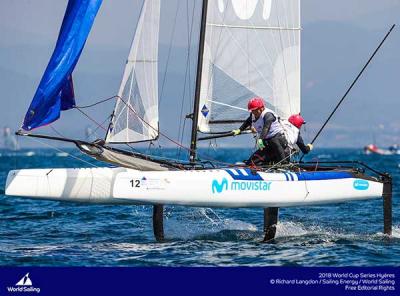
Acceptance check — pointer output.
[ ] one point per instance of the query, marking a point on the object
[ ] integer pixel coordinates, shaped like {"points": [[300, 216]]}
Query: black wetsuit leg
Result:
{"points": [[275, 151], [278, 145]]}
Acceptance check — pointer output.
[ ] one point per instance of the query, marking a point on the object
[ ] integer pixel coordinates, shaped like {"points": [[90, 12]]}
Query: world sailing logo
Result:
{"points": [[24, 285], [218, 187], [253, 185], [25, 281]]}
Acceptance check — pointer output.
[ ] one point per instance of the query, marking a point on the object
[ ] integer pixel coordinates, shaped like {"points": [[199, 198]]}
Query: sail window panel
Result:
{"points": [[247, 54], [136, 112], [227, 94]]}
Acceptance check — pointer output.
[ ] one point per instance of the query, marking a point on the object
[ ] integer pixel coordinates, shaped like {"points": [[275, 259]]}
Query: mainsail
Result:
{"points": [[135, 116], [55, 92], [252, 48]]}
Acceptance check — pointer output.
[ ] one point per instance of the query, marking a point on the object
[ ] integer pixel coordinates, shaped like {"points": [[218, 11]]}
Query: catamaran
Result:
{"points": [[247, 48], [373, 149]]}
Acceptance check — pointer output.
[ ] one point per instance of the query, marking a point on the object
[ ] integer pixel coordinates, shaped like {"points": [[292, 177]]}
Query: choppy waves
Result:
{"points": [[44, 233]]}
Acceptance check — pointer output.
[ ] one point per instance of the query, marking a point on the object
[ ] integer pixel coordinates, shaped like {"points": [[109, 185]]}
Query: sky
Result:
{"points": [[337, 39]]}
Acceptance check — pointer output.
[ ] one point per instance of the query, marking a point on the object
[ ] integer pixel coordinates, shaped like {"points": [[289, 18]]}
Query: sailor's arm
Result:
{"points": [[243, 127], [246, 124], [304, 148]]}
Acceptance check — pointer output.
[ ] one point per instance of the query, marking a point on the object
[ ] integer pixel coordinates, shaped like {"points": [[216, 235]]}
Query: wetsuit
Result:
{"points": [[292, 134], [271, 132], [300, 143]]}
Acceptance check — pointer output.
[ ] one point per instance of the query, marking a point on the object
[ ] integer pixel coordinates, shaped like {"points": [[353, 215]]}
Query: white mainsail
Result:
{"points": [[252, 48], [136, 111]]}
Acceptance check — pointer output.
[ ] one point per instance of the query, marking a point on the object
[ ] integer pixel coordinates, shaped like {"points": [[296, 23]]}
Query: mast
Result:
{"points": [[195, 115]]}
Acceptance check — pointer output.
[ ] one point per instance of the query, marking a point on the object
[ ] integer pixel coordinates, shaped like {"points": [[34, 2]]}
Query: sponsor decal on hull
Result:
{"points": [[149, 184], [225, 185], [251, 185], [217, 186], [360, 184]]}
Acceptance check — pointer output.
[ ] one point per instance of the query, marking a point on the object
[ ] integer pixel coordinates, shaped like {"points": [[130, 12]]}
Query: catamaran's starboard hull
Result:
{"points": [[206, 188]]}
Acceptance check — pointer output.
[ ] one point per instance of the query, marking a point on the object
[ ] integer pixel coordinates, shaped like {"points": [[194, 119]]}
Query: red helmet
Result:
{"points": [[255, 103], [296, 120]]}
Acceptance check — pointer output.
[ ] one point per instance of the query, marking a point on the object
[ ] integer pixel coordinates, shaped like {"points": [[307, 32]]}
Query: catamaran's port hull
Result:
{"points": [[231, 188]]}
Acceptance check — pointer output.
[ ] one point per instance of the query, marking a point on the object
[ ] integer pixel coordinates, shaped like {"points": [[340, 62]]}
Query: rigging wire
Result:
{"points": [[57, 132], [134, 112], [187, 74], [93, 120], [191, 91], [63, 151], [169, 53], [100, 125], [211, 160], [164, 79], [181, 129], [140, 118], [70, 155], [217, 50], [96, 103], [129, 107], [352, 84], [183, 100]]}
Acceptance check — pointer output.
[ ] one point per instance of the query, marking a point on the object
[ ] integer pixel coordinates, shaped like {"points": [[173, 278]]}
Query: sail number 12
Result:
{"points": [[135, 183]]}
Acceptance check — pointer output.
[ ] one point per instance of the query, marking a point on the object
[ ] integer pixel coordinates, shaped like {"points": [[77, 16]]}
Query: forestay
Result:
{"points": [[135, 116], [252, 48]]}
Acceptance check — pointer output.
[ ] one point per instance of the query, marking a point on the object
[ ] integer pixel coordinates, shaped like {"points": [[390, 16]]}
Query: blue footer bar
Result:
{"points": [[199, 280]]}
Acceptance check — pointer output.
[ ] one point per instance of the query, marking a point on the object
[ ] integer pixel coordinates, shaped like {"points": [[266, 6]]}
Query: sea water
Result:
{"points": [[47, 233]]}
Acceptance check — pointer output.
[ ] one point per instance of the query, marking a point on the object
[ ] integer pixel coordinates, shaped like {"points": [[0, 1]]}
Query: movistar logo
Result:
{"points": [[218, 187]]}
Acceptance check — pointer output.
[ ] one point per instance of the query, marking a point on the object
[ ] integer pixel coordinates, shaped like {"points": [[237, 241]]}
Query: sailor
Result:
{"points": [[271, 142], [292, 134]]}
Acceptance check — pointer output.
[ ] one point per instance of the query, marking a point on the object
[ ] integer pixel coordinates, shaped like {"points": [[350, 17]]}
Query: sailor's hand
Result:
{"points": [[253, 130], [236, 132], [310, 147], [260, 144]]}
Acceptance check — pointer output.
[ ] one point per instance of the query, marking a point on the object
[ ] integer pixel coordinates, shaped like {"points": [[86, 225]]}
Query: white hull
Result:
{"points": [[206, 188]]}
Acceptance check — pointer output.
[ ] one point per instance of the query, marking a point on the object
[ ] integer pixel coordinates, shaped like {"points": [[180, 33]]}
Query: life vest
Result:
{"points": [[291, 133], [258, 124]]}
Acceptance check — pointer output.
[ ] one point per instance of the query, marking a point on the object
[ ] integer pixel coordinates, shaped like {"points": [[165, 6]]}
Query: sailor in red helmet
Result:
{"points": [[271, 142], [292, 133]]}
